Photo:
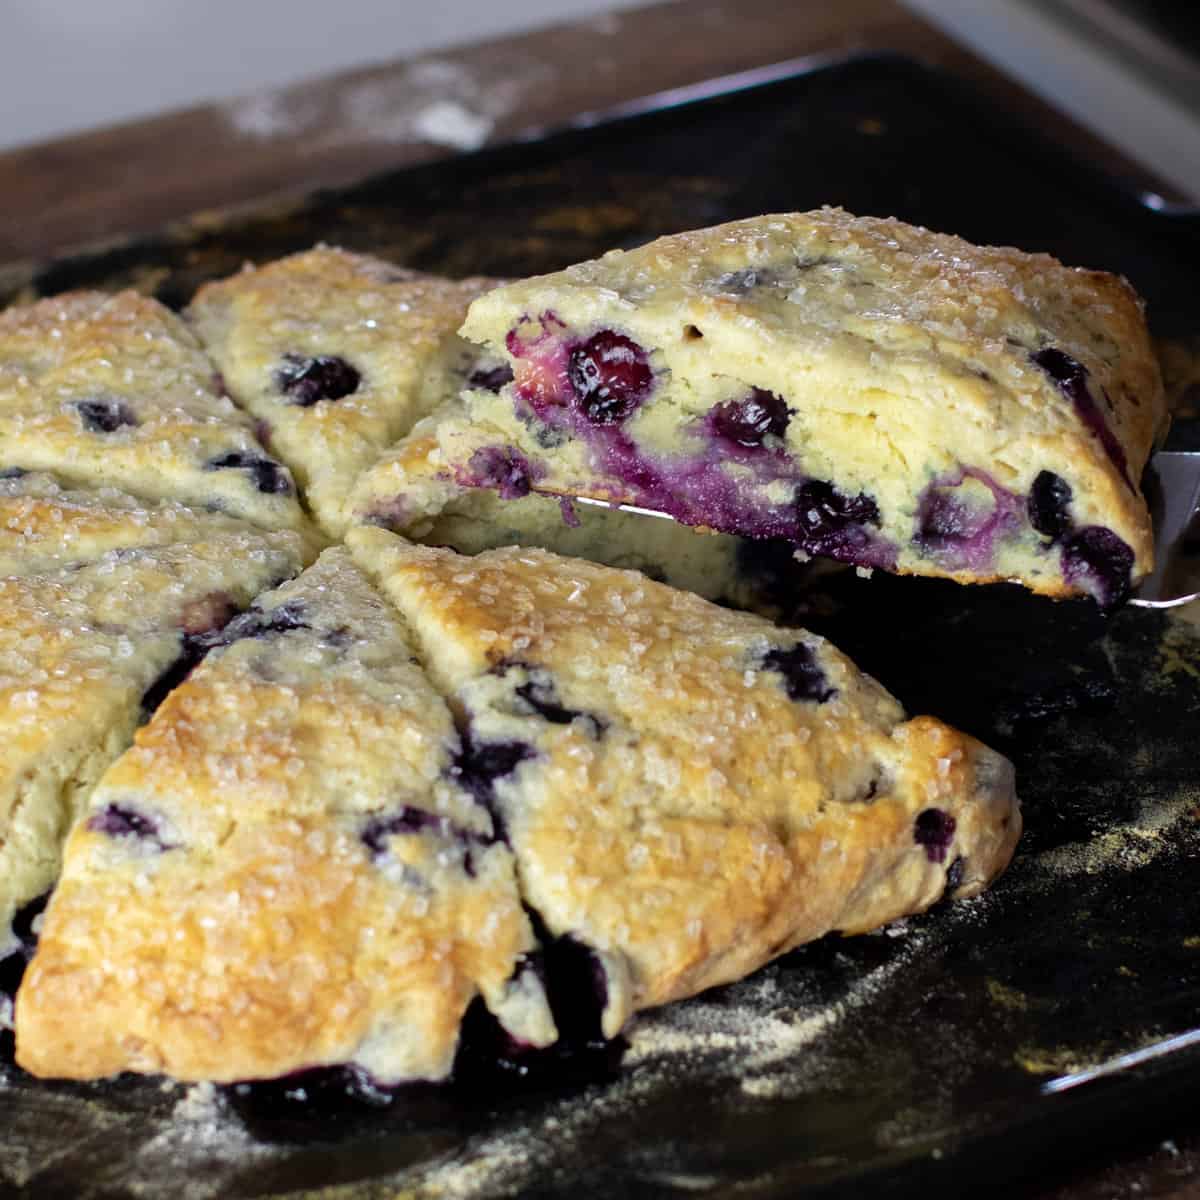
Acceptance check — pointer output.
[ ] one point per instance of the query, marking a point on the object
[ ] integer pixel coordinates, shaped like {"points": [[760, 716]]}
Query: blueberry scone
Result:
{"points": [[85, 652], [428, 488], [113, 389], [870, 391], [688, 791], [45, 526], [337, 355], [301, 881]]}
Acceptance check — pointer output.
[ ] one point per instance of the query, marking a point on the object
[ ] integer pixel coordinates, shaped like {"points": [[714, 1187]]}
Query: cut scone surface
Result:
{"points": [[114, 389], [423, 488], [871, 391], [337, 355], [299, 879], [84, 653], [688, 791]]}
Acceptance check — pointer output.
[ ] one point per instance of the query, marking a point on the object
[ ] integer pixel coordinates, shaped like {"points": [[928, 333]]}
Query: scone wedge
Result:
{"points": [[688, 791], [870, 391], [300, 881], [85, 652], [113, 389], [337, 355]]}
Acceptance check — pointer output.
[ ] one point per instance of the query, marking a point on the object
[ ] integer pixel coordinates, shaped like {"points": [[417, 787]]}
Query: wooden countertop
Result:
{"points": [[139, 176], [136, 177]]}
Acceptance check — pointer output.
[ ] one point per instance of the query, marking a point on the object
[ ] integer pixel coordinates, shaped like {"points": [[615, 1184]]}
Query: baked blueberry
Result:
{"points": [[610, 376], [105, 415], [1049, 501], [490, 379], [934, 830], [503, 468], [307, 380], [832, 523], [119, 821], [1100, 562], [269, 477], [747, 422], [802, 674]]}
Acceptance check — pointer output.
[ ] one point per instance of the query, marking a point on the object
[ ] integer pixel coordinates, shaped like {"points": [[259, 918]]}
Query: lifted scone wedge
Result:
{"points": [[299, 880], [688, 791], [870, 391]]}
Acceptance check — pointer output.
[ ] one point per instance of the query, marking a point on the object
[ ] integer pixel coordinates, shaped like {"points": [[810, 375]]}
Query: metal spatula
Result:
{"points": [[1173, 489]]}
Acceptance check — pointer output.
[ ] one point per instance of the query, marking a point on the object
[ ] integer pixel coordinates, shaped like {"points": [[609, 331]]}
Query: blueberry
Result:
{"points": [[1072, 379], [257, 624], [954, 876], [934, 829], [269, 477], [540, 694], [490, 379], [378, 830], [1048, 501], [503, 468], [830, 522], [1101, 562], [802, 674], [307, 380], [610, 376], [12, 966], [477, 766], [117, 820], [13, 473], [105, 416], [748, 421]]}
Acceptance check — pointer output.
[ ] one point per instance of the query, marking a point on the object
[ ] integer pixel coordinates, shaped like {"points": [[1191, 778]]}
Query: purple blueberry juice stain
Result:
{"points": [[105, 415], [268, 476], [503, 468], [1049, 504], [569, 515], [700, 488], [610, 376], [934, 830], [1100, 563], [307, 380], [121, 821], [803, 677], [1071, 376], [961, 534], [749, 421]]}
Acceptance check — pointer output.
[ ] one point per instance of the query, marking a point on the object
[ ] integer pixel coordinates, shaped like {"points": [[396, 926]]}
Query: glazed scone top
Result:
{"points": [[103, 388], [390, 334], [287, 824], [688, 791], [44, 526], [879, 284]]}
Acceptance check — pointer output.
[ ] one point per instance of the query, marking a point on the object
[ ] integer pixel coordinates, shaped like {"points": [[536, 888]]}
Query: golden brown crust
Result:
{"points": [[270, 921], [98, 388], [395, 328], [679, 810], [905, 358]]}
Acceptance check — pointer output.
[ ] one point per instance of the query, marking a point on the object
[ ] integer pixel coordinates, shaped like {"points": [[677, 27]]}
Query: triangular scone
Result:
{"points": [[871, 391], [299, 880], [114, 389], [84, 652], [337, 355], [44, 526], [422, 488], [689, 791]]}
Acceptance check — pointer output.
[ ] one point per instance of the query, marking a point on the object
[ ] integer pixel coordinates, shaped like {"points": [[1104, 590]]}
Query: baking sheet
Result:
{"points": [[950, 1048]]}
